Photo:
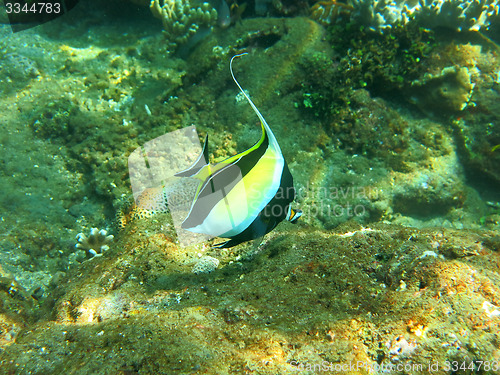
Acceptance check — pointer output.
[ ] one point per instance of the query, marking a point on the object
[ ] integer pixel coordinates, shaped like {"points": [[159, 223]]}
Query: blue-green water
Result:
{"points": [[391, 136]]}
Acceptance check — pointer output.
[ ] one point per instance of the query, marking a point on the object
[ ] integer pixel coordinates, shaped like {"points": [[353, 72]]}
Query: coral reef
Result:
{"points": [[183, 18], [430, 194], [349, 283], [17, 308], [455, 14]]}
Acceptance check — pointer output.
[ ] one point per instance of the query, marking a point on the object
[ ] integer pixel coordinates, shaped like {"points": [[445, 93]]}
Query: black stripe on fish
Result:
{"points": [[222, 182], [274, 213]]}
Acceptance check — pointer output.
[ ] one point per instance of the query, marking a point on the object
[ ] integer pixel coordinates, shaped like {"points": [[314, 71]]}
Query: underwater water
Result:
{"points": [[391, 132]]}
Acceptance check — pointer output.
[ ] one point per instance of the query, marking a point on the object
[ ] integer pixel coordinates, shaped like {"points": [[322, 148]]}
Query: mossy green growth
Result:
{"points": [[323, 92], [53, 121], [382, 63], [478, 144]]}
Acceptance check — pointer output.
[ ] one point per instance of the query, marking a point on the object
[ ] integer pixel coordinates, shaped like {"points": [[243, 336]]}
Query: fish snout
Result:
{"points": [[293, 215]]}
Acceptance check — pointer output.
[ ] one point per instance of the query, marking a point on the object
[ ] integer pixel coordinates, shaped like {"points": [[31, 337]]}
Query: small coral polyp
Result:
{"points": [[95, 243]]}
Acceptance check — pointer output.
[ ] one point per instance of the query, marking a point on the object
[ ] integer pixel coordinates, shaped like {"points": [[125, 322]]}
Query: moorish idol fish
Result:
{"points": [[245, 196]]}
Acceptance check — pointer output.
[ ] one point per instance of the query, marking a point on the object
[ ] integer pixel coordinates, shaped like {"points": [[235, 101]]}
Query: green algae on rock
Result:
{"points": [[351, 294]]}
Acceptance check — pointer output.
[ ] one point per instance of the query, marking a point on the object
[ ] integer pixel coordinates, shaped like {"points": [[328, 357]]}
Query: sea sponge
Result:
{"points": [[448, 91]]}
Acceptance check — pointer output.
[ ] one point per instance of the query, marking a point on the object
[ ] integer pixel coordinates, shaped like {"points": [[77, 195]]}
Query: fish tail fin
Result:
{"points": [[199, 163]]}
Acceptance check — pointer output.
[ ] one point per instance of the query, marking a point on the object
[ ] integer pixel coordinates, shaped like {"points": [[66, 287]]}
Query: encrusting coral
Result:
{"points": [[183, 18]]}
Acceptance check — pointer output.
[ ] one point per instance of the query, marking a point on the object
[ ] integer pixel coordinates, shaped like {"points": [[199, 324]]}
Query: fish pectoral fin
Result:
{"points": [[222, 245], [233, 242], [227, 244], [198, 164]]}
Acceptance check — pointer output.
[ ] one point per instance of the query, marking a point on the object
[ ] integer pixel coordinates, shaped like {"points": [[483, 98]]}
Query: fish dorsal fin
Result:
{"points": [[198, 164], [266, 127]]}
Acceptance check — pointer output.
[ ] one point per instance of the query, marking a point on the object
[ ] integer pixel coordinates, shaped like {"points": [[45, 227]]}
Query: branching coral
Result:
{"points": [[183, 18]]}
